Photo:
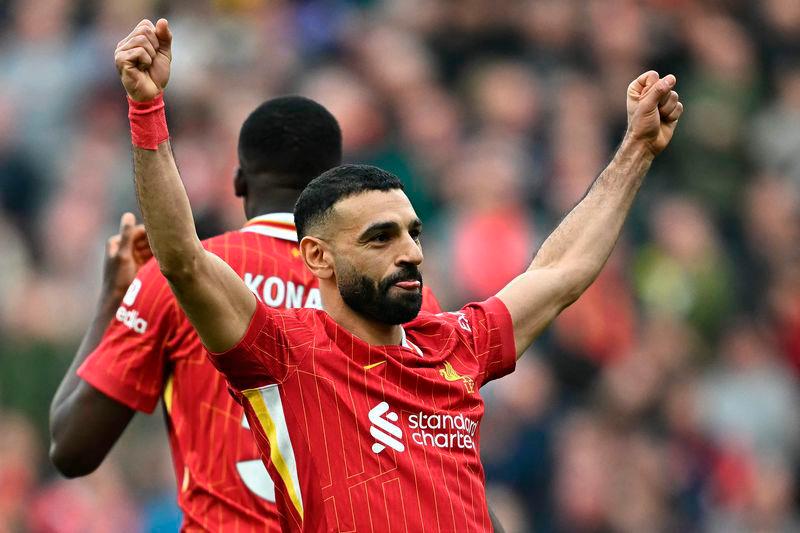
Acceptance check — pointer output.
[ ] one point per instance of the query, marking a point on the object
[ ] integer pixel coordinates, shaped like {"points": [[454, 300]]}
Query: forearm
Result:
{"points": [[217, 302], [85, 423], [573, 255], [60, 406], [583, 241], [166, 211]]}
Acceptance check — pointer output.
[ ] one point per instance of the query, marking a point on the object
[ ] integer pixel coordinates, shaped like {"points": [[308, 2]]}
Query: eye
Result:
{"points": [[415, 234], [381, 237]]}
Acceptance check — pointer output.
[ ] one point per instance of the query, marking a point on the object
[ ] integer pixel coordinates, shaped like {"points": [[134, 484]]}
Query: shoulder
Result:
{"points": [[294, 320], [426, 321], [435, 331], [464, 321]]}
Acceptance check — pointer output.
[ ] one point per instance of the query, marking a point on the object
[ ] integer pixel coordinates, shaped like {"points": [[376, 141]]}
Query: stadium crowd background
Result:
{"points": [[665, 399]]}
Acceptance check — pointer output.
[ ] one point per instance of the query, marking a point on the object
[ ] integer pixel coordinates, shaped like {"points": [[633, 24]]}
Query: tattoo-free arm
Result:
{"points": [[84, 422], [218, 304], [573, 255]]}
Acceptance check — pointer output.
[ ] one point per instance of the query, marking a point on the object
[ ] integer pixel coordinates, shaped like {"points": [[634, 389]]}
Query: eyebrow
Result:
{"points": [[386, 226]]}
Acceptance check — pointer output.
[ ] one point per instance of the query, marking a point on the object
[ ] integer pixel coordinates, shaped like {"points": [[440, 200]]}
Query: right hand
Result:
{"points": [[143, 59], [126, 252], [653, 110]]}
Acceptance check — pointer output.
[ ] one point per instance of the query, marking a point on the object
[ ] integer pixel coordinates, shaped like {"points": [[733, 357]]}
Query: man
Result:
{"points": [[150, 350], [370, 425]]}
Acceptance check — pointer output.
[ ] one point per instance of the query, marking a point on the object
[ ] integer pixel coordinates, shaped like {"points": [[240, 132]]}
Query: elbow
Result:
{"points": [[71, 462], [575, 281], [177, 273], [178, 267]]}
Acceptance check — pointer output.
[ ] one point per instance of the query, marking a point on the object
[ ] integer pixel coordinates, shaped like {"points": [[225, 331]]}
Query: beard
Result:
{"points": [[372, 300]]}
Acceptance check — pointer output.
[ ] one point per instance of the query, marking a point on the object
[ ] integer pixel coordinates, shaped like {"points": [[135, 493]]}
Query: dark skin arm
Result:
{"points": [[84, 422]]}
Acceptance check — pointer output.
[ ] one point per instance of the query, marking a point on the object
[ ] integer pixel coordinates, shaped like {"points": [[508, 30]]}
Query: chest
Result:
{"points": [[404, 403]]}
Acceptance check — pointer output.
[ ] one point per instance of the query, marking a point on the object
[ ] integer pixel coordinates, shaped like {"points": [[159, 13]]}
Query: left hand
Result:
{"points": [[126, 252], [653, 110]]}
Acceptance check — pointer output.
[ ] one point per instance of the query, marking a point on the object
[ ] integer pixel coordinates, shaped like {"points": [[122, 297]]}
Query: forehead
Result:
{"points": [[358, 212]]}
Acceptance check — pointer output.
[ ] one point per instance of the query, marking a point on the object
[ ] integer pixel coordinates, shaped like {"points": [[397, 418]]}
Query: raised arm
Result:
{"points": [[573, 255], [217, 302], [84, 422]]}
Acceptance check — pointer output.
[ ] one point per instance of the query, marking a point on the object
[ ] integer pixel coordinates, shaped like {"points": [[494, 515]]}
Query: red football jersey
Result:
{"points": [[151, 351], [372, 438]]}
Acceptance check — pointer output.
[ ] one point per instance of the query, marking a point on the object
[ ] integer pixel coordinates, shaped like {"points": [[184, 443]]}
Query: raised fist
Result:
{"points": [[653, 110], [143, 59]]}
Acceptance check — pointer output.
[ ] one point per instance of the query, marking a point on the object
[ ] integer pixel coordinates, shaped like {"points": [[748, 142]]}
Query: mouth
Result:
{"points": [[411, 285]]}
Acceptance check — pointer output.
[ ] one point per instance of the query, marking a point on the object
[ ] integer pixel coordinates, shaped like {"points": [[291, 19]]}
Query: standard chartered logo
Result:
{"points": [[443, 431], [434, 430], [384, 430]]}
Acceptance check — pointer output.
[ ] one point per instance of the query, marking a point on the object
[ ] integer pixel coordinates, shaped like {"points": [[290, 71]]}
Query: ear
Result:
{"points": [[239, 184], [317, 257]]}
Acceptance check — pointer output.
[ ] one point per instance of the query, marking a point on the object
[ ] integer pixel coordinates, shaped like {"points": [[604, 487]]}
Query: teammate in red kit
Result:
{"points": [[370, 425], [150, 350]]}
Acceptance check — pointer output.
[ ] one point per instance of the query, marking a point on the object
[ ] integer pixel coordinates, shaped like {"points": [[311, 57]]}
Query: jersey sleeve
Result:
{"points": [[128, 364], [488, 328], [263, 355], [429, 301]]}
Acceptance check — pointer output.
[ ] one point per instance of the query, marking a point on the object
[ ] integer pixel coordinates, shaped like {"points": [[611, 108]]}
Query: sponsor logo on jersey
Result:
{"points": [[132, 292], [277, 292], [384, 429], [449, 373], [434, 430], [443, 430], [130, 318]]}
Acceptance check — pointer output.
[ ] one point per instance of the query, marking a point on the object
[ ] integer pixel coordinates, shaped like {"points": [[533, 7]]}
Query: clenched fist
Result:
{"points": [[653, 110], [143, 59]]}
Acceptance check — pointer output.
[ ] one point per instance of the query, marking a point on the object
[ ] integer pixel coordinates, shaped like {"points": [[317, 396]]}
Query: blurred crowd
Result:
{"points": [[663, 400]]}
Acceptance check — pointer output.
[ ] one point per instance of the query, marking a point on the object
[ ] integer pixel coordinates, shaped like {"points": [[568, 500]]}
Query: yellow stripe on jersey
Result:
{"points": [[168, 395], [266, 403]]}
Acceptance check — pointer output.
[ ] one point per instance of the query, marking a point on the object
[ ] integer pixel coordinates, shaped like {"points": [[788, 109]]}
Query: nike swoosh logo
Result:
{"points": [[373, 365]]}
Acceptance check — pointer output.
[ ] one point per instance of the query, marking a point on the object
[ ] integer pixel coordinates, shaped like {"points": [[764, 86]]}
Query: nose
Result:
{"points": [[411, 252]]}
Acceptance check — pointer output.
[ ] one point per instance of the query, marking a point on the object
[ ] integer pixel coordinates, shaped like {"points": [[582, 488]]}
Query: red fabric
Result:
{"points": [[148, 122], [205, 425], [151, 341], [324, 386]]}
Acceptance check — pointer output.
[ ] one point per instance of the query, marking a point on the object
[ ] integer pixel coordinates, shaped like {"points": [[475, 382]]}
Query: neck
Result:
{"points": [[369, 331], [278, 201]]}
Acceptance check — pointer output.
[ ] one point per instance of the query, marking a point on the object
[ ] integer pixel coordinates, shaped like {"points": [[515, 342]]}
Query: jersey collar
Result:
{"points": [[405, 343], [278, 225]]}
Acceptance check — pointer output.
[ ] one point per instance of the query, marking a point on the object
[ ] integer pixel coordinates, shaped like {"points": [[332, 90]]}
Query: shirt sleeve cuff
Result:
{"points": [[117, 390], [229, 362], [505, 364]]}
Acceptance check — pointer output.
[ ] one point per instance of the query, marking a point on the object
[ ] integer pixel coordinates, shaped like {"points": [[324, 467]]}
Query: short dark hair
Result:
{"points": [[291, 138], [319, 197]]}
